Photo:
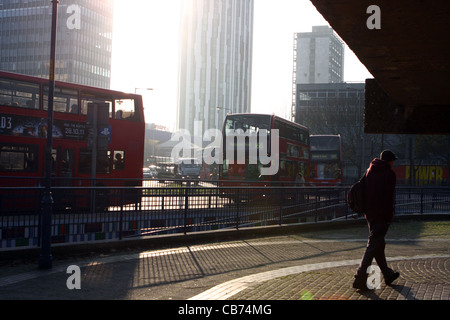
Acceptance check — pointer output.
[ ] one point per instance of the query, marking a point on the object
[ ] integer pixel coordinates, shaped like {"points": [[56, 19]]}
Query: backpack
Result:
{"points": [[356, 196]]}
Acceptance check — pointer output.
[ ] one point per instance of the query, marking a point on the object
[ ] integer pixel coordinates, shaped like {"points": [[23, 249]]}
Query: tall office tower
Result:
{"points": [[84, 39], [318, 58], [215, 62]]}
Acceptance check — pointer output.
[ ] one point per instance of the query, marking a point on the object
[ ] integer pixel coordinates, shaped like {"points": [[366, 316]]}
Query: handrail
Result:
{"points": [[114, 213]]}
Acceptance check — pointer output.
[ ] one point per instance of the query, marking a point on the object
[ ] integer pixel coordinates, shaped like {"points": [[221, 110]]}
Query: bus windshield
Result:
{"points": [[326, 162], [247, 123], [325, 143]]}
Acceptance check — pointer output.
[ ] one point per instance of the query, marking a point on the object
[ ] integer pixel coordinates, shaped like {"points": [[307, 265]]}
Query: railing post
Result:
{"points": [[209, 199], [421, 200], [186, 204], [433, 198], [280, 198], [316, 206], [238, 201], [121, 214]]}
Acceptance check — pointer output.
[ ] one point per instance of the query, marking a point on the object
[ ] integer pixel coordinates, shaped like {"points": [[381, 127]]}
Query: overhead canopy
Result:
{"points": [[409, 58]]}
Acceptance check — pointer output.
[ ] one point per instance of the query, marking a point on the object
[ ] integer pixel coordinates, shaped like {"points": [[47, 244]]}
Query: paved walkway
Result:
{"points": [[291, 267]]}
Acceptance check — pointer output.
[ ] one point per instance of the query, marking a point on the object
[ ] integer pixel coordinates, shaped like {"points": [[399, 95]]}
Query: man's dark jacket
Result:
{"points": [[380, 191]]}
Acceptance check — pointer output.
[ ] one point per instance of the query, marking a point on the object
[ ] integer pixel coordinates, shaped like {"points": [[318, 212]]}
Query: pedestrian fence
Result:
{"points": [[86, 214]]}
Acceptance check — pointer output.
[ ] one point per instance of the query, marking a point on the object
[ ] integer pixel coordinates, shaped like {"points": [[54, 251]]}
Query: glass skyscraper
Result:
{"points": [[215, 61], [84, 39]]}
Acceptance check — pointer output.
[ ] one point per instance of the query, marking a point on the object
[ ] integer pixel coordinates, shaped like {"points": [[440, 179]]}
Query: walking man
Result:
{"points": [[380, 193]]}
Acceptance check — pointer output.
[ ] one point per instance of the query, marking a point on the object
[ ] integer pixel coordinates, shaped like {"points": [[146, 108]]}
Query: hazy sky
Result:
{"points": [[145, 54]]}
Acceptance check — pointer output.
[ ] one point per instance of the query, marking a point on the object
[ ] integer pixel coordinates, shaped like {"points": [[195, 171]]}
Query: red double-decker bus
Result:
{"points": [[326, 160], [23, 131], [293, 158]]}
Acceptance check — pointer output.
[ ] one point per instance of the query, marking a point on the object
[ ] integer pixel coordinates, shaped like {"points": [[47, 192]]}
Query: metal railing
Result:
{"points": [[83, 214]]}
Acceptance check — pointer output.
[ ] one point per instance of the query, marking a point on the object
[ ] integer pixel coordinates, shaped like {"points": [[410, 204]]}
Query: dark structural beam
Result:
{"points": [[408, 57]]}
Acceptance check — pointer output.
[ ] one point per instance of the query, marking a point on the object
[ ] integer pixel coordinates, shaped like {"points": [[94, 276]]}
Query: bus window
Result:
{"points": [[54, 157], [66, 163], [65, 100], [103, 162], [85, 161], [125, 109], [119, 160], [16, 158], [19, 94], [248, 124], [224, 168], [88, 97]]}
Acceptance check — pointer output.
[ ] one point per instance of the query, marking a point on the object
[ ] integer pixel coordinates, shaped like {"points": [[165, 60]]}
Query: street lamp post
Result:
{"points": [[217, 113], [45, 259]]}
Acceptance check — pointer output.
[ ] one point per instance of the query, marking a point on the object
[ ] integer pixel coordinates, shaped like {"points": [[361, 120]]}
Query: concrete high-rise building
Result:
{"points": [[84, 39], [215, 62], [319, 56]]}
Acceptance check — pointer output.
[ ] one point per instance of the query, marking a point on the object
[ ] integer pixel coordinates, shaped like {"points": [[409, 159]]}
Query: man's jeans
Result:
{"points": [[375, 247]]}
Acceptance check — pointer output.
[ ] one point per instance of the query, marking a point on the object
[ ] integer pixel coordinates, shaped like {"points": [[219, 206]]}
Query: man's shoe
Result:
{"points": [[360, 282], [391, 277]]}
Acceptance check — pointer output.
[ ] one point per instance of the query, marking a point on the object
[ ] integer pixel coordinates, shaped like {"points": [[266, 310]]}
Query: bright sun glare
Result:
{"points": [[145, 54]]}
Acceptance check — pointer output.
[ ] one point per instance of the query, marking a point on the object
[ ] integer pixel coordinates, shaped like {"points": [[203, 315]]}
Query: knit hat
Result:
{"points": [[388, 155]]}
